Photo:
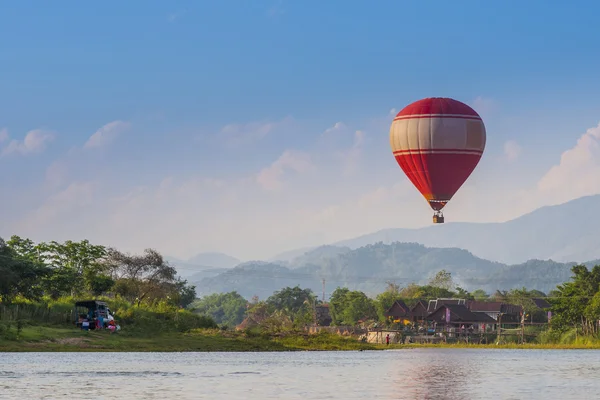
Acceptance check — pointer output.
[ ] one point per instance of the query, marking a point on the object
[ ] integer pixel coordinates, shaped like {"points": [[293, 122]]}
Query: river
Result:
{"points": [[395, 374]]}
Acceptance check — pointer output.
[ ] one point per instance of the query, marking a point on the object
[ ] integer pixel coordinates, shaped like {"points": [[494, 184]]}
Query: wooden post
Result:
{"points": [[523, 329], [499, 327]]}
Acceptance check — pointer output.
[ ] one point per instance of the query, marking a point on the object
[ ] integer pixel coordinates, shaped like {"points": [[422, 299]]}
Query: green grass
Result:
{"points": [[67, 338], [48, 338]]}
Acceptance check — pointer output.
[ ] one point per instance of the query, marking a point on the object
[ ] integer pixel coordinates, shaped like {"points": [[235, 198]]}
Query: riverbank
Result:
{"points": [[58, 339], [41, 338]]}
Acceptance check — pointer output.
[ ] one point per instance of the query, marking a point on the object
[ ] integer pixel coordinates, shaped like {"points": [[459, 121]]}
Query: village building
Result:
{"points": [[437, 303], [457, 317], [399, 311], [496, 309], [419, 311]]}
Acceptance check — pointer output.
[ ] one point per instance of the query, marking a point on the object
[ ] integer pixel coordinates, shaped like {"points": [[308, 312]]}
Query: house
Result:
{"points": [[398, 311], [419, 312], [437, 303], [541, 303], [458, 316], [495, 309]]}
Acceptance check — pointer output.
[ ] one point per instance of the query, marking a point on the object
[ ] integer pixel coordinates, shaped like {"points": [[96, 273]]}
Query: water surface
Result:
{"points": [[395, 374]]}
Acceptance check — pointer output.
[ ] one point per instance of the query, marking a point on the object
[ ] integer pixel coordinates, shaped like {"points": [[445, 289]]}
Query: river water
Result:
{"points": [[394, 374]]}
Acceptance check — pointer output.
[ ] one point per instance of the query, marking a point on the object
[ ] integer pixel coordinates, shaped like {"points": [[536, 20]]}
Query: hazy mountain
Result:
{"points": [[291, 254], [370, 267], [214, 259], [202, 265], [565, 232]]}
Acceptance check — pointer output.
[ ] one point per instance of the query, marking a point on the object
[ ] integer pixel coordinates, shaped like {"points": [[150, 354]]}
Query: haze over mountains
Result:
{"points": [[479, 255]]}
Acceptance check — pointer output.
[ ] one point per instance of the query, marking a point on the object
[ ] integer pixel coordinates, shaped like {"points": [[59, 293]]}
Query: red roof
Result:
{"points": [[437, 105]]}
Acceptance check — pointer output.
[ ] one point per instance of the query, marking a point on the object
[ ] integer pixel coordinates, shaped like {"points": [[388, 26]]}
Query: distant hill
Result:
{"points": [[369, 268], [213, 259], [566, 232], [203, 265]]}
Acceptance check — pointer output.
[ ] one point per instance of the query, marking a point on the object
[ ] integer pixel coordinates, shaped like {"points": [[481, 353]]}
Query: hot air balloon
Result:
{"points": [[437, 142]]}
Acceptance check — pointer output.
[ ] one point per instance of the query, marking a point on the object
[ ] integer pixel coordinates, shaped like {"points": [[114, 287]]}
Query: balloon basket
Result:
{"points": [[438, 218]]}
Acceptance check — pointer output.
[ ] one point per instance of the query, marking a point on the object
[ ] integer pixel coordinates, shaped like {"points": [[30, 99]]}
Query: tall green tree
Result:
{"points": [[577, 303], [348, 307], [19, 275], [225, 308]]}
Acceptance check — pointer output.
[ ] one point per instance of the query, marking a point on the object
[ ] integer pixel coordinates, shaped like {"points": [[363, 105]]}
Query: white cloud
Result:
{"points": [[270, 178], [35, 141], [56, 174], [302, 198], [3, 135], [242, 134], [578, 172], [512, 150], [106, 135], [484, 106]]}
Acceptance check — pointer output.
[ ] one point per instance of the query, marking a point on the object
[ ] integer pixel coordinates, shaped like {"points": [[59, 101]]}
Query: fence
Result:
{"points": [[55, 314]]}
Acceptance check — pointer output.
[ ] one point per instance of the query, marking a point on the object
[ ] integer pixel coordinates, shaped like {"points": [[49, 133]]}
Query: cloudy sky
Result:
{"points": [[257, 127]]}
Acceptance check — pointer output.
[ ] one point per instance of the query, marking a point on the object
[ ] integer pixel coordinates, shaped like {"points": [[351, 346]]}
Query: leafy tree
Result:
{"points": [[386, 299], [442, 280], [295, 302], [348, 307], [186, 293], [145, 277], [224, 308], [480, 295], [19, 275], [576, 303]]}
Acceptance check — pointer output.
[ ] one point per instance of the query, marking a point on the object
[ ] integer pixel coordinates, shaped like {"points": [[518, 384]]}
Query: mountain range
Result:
{"points": [[535, 250]]}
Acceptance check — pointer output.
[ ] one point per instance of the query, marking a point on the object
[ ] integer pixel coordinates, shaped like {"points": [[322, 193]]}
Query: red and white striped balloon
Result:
{"points": [[437, 142]]}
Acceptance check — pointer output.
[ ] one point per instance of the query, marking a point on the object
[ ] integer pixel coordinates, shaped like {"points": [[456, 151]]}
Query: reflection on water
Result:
{"points": [[398, 374]]}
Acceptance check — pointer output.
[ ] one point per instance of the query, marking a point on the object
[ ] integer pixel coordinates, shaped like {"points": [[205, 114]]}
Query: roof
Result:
{"points": [[541, 303], [438, 106], [398, 309], [459, 313], [493, 306], [437, 303], [419, 309]]}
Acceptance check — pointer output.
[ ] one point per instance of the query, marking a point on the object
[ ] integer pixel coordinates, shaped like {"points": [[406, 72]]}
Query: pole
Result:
{"points": [[499, 327], [323, 281], [523, 328]]}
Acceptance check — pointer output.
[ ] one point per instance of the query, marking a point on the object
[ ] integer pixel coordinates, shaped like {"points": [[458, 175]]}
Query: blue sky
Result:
{"points": [[256, 127]]}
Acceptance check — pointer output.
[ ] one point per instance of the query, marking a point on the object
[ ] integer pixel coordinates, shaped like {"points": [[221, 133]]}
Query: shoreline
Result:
{"points": [[60, 339]]}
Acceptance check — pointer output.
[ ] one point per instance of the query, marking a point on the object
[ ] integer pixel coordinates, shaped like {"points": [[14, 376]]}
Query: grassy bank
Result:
{"points": [[48, 338], [52, 338]]}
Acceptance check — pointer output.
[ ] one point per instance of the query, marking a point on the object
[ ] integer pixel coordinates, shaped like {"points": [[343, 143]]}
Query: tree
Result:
{"points": [[348, 307], [19, 275], [386, 299], [294, 302], [76, 267], [224, 308], [480, 295], [442, 280], [145, 277], [576, 303]]}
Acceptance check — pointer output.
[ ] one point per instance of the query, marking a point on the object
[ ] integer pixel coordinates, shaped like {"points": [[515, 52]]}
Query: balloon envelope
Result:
{"points": [[437, 142]]}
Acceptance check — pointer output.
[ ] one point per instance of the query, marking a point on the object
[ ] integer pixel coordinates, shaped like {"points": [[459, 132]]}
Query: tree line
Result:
{"points": [[575, 305], [77, 269], [52, 270]]}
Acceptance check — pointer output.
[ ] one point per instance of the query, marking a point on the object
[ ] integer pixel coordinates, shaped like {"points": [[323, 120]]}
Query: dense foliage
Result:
{"points": [[80, 269]]}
